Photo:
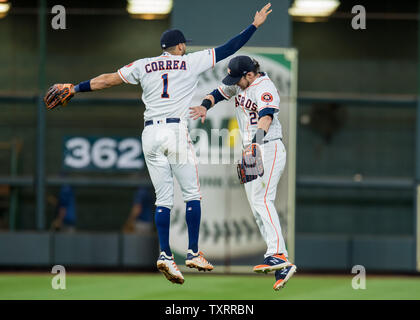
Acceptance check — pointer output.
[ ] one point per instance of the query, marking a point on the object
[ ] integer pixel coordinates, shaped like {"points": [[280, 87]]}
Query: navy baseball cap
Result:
{"points": [[171, 38], [237, 68]]}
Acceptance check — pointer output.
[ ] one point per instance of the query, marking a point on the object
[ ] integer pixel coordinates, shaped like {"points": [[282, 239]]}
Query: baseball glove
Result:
{"points": [[251, 165], [58, 94]]}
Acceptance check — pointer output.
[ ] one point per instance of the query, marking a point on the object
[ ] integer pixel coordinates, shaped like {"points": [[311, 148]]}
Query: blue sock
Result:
{"points": [[193, 217], [162, 220]]}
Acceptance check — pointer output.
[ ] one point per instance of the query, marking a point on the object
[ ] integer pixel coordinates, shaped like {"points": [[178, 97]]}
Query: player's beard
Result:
{"points": [[244, 85]]}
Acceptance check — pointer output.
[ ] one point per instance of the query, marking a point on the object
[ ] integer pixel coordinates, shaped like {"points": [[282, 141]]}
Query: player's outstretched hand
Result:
{"points": [[261, 15], [198, 112], [59, 95]]}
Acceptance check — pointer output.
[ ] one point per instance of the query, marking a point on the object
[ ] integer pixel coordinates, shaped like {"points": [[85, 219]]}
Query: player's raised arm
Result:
{"points": [[103, 81], [239, 41], [61, 93]]}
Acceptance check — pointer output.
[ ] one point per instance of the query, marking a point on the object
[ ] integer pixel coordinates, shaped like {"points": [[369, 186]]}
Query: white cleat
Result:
{"points": [[197, 261], [168, 267]]}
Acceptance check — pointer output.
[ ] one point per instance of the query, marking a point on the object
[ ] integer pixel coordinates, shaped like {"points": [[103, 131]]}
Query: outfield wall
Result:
{"points": [[127, 251]]}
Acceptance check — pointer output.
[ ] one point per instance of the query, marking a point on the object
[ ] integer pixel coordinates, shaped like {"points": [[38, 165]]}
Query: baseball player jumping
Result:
{"points": [[264, 157], [168, 82]]}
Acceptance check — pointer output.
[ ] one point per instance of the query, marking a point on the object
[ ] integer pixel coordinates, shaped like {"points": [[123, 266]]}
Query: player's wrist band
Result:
{"points": [[83, 86], [206, 103], [259, 136]]}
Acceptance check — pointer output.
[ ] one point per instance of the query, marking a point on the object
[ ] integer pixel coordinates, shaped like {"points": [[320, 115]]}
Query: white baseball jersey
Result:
{"points": [[168, 81], [261, 94]]}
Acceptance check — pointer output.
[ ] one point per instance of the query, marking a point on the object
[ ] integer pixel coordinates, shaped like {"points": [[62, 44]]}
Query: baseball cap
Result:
{"points": [[171, 38], [237, 68]]}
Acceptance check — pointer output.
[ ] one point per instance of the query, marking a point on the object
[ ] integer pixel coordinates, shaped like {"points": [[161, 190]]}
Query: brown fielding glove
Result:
{"points": [[58, 94], [252, 164]]}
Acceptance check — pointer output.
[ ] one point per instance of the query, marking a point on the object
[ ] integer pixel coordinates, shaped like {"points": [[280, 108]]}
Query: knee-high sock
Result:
{"points": [[193, 217], [162, 220]]}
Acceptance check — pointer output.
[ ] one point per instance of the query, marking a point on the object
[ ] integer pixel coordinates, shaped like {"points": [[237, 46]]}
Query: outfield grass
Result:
{"points": [[204, 286]]}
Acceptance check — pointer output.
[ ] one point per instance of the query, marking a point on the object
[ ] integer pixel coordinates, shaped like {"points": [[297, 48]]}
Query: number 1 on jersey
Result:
{"points": [[165, 86]]}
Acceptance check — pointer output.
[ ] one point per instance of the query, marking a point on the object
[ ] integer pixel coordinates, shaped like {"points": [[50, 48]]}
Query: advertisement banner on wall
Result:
{"points": [[229, 235]]}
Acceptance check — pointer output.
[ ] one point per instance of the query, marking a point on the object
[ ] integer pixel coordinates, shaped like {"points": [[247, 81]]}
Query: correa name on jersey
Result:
{"points": [[165, 65]]}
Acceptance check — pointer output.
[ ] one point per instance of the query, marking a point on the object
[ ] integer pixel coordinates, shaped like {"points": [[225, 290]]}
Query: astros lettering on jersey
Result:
{"points": [[261, 94]]}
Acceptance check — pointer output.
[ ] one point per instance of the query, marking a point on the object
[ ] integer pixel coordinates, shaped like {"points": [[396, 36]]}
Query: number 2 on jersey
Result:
{"points": [[165, 86], [253, 117]]}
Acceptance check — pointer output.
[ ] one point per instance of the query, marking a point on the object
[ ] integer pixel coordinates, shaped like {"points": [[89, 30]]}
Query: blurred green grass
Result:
{"points": [[205, 287]]}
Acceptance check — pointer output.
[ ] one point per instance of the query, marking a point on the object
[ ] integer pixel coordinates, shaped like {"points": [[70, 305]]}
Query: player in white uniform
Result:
{"points": [[168, 83], [257, 104]]}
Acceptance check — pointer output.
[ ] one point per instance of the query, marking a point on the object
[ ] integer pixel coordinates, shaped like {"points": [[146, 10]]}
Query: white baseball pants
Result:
{"points": [[169, 152], [261, 194]]}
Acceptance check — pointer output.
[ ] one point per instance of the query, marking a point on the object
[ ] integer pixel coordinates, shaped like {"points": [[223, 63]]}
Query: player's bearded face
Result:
{"points": [[243, 83], [247, 80]]}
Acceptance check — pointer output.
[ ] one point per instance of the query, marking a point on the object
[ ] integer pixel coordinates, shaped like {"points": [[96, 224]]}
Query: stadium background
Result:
{"points": [[357, 131]]}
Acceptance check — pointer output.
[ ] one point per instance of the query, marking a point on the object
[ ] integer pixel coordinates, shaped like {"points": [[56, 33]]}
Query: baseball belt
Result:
{"points": [[167, 120]]}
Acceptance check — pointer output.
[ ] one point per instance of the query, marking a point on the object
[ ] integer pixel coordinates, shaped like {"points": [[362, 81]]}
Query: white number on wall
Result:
{"points": [[79, 153], [130, 154], [103, 153]]}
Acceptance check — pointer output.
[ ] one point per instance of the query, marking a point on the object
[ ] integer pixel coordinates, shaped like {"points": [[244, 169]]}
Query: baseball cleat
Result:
{"points": [[168, 267], [272, 263], [197, 261], [282, 276]]}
